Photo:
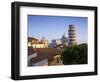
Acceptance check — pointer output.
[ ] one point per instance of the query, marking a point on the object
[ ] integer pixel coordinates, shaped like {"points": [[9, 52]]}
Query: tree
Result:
{"points": [[83, 54], [75, 54]]}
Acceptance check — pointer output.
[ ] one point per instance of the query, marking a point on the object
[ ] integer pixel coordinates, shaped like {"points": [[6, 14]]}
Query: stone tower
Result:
{"points": [[72, 35]]}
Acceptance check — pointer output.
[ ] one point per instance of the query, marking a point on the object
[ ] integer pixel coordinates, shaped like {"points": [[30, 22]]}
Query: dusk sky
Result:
{"points": [[53, 27]]}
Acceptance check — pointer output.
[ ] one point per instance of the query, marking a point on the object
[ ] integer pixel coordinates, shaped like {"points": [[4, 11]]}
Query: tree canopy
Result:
{"points": [[75, 54]]}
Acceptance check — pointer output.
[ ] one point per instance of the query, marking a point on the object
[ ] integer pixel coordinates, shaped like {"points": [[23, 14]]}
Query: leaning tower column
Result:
{"points": [[72, 35]]}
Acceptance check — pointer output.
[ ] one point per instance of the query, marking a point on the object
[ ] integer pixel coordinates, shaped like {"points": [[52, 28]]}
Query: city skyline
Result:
{"points": [[53, 27]]}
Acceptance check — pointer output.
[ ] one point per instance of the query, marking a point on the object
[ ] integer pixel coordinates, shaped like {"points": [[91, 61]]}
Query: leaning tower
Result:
{"points": [[72, 35]]}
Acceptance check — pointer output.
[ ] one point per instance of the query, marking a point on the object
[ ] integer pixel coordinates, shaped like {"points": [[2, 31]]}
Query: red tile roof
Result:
{"points": [[30, 50], [45, 53], [31, 38]]}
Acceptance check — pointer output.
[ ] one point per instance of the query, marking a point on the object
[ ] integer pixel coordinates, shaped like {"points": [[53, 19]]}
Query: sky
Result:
{"points": [[53, 27]]}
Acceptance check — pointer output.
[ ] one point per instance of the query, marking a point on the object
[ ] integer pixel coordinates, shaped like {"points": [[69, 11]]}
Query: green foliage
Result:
{"points": [[75, 54]]}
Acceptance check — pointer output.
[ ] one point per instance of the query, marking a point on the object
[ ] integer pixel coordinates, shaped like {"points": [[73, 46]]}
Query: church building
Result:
{"points": [[35, 43]]}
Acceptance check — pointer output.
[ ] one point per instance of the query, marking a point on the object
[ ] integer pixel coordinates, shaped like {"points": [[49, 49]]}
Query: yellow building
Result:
{"points": [[35, 43], [38, 45]]}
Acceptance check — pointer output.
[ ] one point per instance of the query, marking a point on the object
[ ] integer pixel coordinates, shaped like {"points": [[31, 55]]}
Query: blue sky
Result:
{"points": [[53, 27]]}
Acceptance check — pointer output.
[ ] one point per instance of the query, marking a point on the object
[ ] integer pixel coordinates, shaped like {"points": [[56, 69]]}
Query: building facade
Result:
{"points": [[35, 43]]}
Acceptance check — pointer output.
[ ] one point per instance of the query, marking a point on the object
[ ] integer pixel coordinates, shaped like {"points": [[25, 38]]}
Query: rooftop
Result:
{"points": [[45, 53], [31, 38]]}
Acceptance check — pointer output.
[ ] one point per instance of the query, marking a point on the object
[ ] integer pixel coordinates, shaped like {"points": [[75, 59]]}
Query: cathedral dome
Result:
{"points": [[64, 38]]}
